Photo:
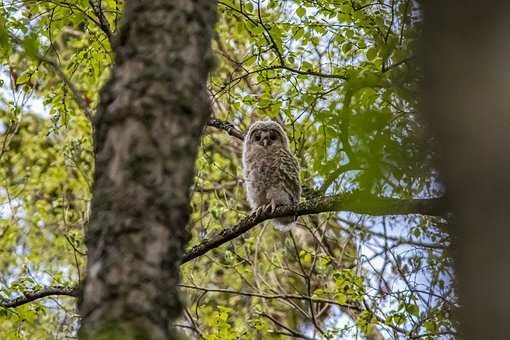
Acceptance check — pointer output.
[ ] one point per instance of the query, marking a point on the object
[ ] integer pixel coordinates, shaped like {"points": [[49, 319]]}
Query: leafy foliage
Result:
{"points": [[342, 78]]}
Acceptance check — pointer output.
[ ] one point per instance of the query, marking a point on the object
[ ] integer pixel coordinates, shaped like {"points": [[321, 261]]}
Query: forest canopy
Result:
{"points": [[368, 257]]}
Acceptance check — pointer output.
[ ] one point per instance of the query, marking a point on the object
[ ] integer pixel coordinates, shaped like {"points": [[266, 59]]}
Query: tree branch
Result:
{"points": [[228, 127], [272, 296], [103, 23], [356, 202], [29, 296], [78, 98], [360, 203]]}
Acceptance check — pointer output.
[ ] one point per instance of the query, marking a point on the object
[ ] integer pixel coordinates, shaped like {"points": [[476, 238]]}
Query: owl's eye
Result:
{"points": [[272, 137], [257, 138]]}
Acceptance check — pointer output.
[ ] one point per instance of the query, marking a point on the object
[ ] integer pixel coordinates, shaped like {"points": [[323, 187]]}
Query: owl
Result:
{"points": [[271, 172]]}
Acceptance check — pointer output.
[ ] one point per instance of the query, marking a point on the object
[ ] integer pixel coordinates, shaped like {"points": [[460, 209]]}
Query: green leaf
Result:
{"points": [[346, 47], [301, 12], [306, 66], [4, 38], [430, 326], [413, 309], [31, 45], [23, 78], [341, 298], [371, 53], [248, 7]]}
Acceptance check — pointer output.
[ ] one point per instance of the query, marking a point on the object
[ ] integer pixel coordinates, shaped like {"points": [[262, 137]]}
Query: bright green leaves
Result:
{"points": [[338, 75], [349, 287], [396, 319], [323, 69], [371, 53], [343, 17], [301, 12], [31, 45], [25, 77], [222, 328], [366, 321], [51, 188], [248, 7], [413, 309], [277, 37], [430, 326], [5, 44], [406, 312], [346, 47]]}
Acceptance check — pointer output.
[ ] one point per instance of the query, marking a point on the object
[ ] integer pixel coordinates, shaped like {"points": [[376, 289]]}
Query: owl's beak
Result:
{"points": [[265, 141]]}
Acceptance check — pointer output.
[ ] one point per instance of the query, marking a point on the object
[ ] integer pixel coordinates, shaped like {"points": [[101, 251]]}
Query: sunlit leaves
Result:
{"points": [[341, 78], [220, 323], [349, 287], [31, 45]]}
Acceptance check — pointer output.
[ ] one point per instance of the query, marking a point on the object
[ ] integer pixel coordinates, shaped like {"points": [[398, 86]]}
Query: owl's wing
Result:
{"points": [[289, 170]]}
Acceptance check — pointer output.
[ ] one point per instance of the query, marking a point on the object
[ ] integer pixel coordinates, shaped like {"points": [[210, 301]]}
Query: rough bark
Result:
{"points": [[467, 63], [147, 130]]}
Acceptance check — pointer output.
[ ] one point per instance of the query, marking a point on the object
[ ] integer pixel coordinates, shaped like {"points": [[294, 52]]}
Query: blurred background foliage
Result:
{"points": [[341, 76]]}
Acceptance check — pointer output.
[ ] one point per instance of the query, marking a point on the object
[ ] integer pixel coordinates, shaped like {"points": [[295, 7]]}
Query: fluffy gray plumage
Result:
{"points": [[271, 172]]}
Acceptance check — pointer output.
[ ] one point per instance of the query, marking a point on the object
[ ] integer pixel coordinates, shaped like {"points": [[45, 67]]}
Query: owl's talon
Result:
{"points": [[258, 211], [266, 208], [261, 210], [272, 207]]}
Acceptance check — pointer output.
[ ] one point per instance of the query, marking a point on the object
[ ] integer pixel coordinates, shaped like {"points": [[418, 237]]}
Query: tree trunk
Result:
{"points": [[467, 102], [147, 130]]}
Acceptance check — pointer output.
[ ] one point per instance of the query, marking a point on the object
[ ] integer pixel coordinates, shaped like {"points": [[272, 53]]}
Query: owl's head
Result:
{"points": [[266, 134]]}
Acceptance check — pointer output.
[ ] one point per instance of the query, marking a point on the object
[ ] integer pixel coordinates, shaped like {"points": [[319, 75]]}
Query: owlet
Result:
{"points": [[271, 172]]}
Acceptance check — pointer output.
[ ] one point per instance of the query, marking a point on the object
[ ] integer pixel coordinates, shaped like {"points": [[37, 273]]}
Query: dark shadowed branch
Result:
{"points": [[102, 22], [29, 296], [227, 127]]}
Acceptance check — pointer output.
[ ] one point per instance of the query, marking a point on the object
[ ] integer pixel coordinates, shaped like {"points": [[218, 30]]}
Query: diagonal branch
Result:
{"points": [[356, 202], [360, 203], [293, 333], [103, 23], [78, 98], [227, 127], [29, 296]]}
